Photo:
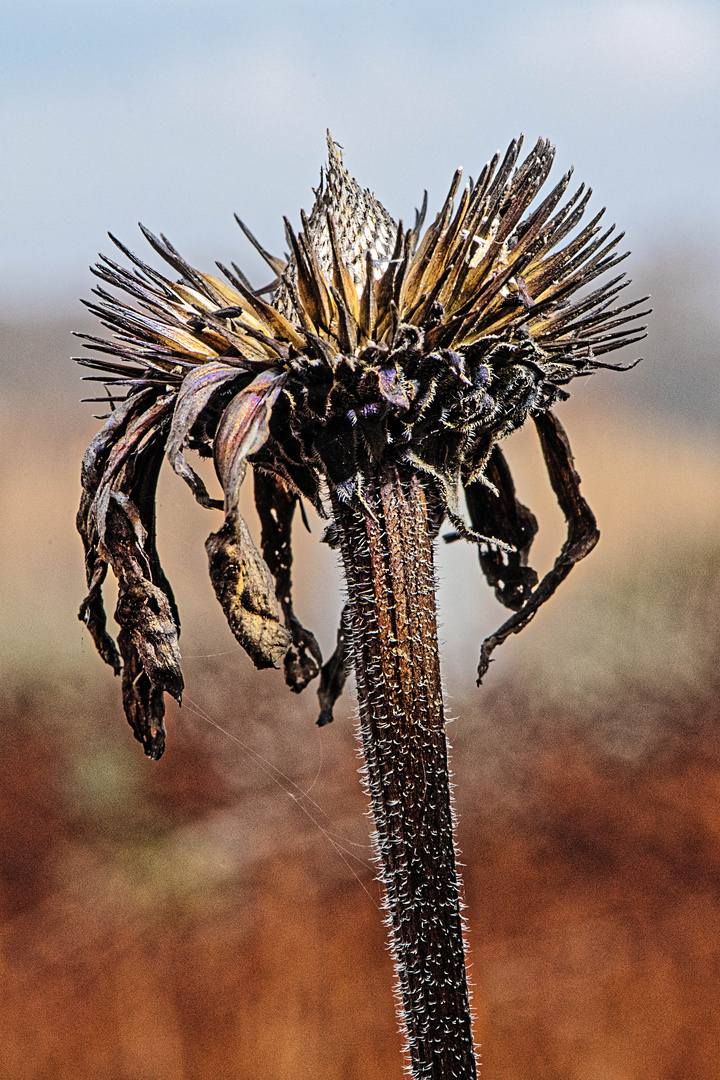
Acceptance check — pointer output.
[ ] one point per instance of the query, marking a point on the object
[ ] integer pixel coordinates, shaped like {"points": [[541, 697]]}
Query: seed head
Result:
{"points": [[378, 344]]}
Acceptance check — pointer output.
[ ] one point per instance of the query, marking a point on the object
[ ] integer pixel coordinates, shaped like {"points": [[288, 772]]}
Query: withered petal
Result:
{"points": [[95, 457], [144, 704], [143, 610], [243, 429], [276, 505], [246, 591], [92, 614], [197, 389], [496, 510], [582, 531], [103, 445], [195, 392], [142, 432], [117, 523]]}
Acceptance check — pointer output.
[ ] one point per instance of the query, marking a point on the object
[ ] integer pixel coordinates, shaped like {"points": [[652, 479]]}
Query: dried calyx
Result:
{"points": [[379, 345]]}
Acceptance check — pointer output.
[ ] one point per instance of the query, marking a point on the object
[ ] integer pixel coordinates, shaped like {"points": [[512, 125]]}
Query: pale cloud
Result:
{"points": [[649, 46], [672, 40]]}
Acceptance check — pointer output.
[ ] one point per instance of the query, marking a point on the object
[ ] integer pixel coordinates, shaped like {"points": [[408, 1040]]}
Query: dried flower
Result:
{"points": [[377, 383], [374, 349]]}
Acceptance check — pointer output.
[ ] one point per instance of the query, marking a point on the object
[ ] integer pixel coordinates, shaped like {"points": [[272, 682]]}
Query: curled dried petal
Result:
{"points": [[243, 429], [144, 610], [276, 504], [92, 609], [96, 455], [582, 531], [495, 510], [195, 392], [144, 703], [117, 523], [246, 591]]}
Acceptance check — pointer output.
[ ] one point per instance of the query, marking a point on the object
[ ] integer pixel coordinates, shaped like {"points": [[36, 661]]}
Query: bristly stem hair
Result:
{"points": [[375, 376]]}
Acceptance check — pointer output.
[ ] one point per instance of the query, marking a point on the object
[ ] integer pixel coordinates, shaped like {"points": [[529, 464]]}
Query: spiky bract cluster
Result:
{"points": [[378, 345]]}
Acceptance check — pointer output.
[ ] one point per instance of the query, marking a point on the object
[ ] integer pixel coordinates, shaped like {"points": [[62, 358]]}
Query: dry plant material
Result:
{"points": [[376, 382]]}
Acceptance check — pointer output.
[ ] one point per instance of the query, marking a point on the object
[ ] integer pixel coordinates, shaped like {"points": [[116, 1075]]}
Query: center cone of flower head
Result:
{"points": [[378, 345]]}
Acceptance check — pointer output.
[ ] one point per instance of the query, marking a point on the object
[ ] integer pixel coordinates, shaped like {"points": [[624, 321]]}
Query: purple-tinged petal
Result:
{"points": [[143, 428], [197, 389], [95, 457], [195, 394], [243, 429], [394, 387]]}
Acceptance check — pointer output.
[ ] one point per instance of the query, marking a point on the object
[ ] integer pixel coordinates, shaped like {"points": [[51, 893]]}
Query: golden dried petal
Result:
{"points": [[245, 588]]}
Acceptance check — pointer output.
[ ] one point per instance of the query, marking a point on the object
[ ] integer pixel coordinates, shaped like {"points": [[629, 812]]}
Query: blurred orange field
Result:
{"points": [[216, 915]]}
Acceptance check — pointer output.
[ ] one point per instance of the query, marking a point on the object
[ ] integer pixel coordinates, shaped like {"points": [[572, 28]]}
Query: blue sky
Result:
{"points": [[178, 114]]}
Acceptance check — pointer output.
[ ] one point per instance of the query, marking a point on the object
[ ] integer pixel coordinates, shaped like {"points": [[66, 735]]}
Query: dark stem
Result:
{"points": [[390, 577]]}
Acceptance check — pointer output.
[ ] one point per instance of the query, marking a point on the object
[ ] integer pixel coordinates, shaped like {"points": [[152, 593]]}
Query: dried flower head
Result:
{"points": [[379, 344]]}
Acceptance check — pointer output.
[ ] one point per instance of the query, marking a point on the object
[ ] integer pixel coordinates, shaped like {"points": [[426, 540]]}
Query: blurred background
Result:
{"points": [[216, 915]]}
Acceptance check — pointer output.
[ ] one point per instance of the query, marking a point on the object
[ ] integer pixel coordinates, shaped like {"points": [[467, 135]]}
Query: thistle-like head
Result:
{"points": [[378, 344]]}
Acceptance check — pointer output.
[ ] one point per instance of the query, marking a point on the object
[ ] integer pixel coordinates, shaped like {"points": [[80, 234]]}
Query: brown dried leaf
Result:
{"points": [[276, 504], [143, 703], [143, 610], [246, 591], [582, 531], [498, 513]]}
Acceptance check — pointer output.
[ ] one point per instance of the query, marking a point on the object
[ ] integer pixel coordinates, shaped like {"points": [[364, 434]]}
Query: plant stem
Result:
{"points": [[390, 577]]}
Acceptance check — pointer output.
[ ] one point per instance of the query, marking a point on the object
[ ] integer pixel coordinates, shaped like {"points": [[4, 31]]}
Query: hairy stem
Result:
{"points": [[388, 561]]}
